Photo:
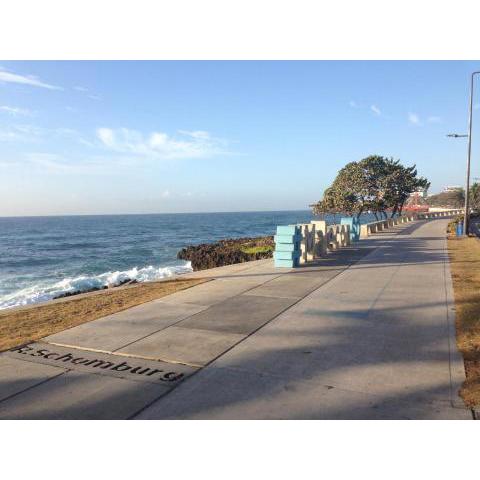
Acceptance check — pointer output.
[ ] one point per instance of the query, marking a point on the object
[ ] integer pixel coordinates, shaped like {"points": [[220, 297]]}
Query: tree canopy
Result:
{"points": [[375, 184]]}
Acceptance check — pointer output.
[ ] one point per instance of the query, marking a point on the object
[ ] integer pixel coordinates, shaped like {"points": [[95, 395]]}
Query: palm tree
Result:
{"points": [[475, 197]]}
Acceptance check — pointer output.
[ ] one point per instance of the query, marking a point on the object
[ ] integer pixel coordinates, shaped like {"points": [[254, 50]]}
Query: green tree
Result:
{"points": [[375, 184], [475, 197]]}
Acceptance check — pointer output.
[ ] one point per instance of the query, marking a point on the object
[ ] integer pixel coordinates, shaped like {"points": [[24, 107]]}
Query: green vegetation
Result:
{"points": [[451, 227], [456, 198], [257, 249], [452, 199], [375, 184]]}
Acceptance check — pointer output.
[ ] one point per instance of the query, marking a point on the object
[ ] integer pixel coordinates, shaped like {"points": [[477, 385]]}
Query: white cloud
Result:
{"points": [[353, 104], [9, 135], [58, 164], [166, 194], [28, 133], [375, 110], [21, 133], [9, 77], [106, 136], [200, 134], [85, 90], [414, 119], [434, 119], [196, 144], [15, 111]]}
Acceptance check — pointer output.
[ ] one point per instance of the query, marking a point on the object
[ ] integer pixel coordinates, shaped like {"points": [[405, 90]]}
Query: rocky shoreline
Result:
{"points": [[227, 252], [94, 289], [208, 255]]}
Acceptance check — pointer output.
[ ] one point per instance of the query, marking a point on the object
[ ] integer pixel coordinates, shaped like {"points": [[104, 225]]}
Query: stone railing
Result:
{"points": [[374, 227], [299, 244], [441, 213]]}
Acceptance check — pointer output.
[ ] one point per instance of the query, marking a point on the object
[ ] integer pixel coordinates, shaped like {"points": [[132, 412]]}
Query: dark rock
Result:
{"points": [[78, 292], [226, 252], [127, 281]]}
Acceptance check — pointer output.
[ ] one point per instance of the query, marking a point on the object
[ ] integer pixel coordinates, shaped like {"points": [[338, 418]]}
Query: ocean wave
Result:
{"points": [[41, 293]]}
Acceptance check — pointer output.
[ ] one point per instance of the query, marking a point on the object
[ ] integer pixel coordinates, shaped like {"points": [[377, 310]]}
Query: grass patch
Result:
{"points": [[465, 266], [23, 325], [258, 249]]}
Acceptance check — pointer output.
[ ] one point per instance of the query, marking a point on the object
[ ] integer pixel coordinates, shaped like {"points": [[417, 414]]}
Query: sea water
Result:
{"points": [[43, 257]]}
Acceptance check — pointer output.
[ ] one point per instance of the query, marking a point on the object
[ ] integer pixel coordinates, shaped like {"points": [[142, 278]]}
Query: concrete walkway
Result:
{"points": [[366, 333]]}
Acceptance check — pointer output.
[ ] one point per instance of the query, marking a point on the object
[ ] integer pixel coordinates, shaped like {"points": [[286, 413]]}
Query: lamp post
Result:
{"points": [[466, 218]]}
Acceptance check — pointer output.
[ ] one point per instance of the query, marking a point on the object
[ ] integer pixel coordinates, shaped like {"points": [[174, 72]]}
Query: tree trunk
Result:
{"points": [[359, 213], [394, 211]]}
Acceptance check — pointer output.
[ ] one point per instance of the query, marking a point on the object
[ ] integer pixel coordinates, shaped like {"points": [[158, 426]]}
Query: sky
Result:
{"points": [[98, 137]]}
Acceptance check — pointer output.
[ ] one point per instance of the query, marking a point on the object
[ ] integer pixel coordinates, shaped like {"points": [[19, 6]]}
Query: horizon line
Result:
{"points": [[152, 213]]}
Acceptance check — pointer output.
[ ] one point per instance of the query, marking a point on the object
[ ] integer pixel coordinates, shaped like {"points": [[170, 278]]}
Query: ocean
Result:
{"points": [[43, 257]]}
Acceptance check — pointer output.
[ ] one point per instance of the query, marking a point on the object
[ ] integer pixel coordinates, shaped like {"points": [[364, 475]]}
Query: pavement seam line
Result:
{"points": [[34, 386], [242, 340], [395, 232], [190, 316]]}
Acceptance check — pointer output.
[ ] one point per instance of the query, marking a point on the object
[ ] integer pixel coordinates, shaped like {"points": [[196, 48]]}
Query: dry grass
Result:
{"points": [[18, 326], [465, 266]]}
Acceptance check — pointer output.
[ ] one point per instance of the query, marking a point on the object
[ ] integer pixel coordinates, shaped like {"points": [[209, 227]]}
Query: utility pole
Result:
{"points": [[466, 218]]}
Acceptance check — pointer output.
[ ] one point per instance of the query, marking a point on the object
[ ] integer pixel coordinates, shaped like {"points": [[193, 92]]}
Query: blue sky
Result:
{"points": [[144, 137]]}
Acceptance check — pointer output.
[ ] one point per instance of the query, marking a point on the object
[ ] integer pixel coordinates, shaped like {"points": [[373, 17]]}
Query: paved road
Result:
{"points": [[367, 333]]}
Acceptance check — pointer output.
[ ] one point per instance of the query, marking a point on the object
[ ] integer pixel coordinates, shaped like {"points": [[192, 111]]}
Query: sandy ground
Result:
{"points": [[465, 267], [22, 325]]}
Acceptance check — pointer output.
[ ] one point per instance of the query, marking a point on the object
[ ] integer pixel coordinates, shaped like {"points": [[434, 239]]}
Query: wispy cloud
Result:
{"points": [[20, 133], [188, 144], [59, 164], [375, 110], [414, 119], [166, 194], [434, 119], [28, 133], [353, 104], [9, 77], [16, 111], [89, 94]]}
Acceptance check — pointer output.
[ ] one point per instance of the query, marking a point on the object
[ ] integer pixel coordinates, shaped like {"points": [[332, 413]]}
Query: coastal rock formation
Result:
{"points": [[227, 252], [127, 281]]}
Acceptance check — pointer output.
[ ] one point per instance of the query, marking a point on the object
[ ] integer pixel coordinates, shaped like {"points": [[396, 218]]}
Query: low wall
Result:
{"points": [[299, 244], [374, 227]]}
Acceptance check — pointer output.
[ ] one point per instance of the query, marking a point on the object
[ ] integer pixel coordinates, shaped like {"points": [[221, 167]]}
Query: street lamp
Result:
{"points": [[466, 218]]}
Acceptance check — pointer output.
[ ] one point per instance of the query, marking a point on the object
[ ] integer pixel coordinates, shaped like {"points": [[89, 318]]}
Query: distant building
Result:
{"points": [[452, 188], [421, 192]]}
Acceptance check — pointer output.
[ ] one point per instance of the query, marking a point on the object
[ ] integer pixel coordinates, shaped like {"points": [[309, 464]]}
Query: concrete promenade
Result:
{"points": [[367, 333]]}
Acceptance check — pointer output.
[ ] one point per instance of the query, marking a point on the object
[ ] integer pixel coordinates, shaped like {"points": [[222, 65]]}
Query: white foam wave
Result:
{"points": [[41, 293]]}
